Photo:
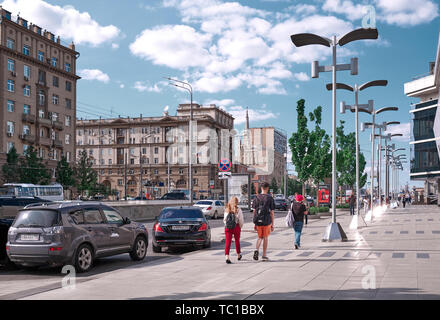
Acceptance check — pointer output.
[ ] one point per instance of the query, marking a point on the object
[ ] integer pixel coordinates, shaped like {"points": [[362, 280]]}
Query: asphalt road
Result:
{"points": [[28, 282]]}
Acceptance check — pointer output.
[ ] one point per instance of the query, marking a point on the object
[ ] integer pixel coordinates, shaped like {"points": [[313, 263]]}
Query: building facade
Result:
{"points": [[38, 81], [149, 155], [425, 127], [264, 149]]}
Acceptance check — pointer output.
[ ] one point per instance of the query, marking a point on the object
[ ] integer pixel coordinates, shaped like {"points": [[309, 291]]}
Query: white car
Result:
{"points": [[211, 208]]}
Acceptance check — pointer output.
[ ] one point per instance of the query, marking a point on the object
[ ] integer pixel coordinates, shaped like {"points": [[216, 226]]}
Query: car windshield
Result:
{"points": [[36, 218], [205, 203], [181, 214]]}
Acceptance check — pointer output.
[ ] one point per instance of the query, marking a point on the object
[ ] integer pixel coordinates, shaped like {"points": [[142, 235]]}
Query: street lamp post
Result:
{"points": [[373, 126], [387, 162], [357, 108], [334, 231], [186, 86], [141, 190]]}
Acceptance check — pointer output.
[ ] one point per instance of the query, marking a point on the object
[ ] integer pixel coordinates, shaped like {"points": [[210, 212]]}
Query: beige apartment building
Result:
{"points": [[154, 151], [38, 81], [264, 149]]}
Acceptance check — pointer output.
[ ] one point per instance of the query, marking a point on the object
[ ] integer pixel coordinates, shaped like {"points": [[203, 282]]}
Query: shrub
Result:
{"points": [[313, 210], [343, 206], [324, 209]]}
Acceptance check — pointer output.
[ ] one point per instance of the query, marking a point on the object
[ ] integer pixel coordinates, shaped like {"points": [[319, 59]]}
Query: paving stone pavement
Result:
{"points": [[397, 256]]}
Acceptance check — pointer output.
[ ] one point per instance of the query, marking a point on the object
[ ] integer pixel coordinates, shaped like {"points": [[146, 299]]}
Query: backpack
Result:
{"points": [[262, 215], [230, 221]]}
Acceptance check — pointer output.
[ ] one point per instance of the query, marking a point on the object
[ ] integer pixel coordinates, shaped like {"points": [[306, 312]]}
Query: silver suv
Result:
{"points": [[73, 233]]}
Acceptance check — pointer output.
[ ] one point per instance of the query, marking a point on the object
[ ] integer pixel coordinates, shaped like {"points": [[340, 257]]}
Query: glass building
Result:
{"points": [[425, 128]]}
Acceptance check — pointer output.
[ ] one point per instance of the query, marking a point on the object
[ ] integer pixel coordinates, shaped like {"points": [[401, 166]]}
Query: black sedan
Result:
{"points": [[5, 224], [281, 204], [181, 226]]}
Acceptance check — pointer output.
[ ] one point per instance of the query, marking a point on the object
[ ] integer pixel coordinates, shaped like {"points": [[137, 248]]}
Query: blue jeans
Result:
{"points": [[298, 226]]}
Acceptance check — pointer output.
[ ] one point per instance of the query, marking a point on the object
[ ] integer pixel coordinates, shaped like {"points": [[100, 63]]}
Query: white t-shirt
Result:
{"points": [[238, 218]]}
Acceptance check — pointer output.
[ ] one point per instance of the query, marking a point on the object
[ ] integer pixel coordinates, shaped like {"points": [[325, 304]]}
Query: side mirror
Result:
{"points": [[127, 220]]}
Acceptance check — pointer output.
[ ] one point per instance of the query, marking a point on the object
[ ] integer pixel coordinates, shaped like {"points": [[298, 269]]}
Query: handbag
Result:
{"points": [[290, 219]]}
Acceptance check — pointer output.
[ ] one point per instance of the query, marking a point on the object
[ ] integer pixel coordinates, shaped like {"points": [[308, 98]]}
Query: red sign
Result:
{"points": [[224, 165]]}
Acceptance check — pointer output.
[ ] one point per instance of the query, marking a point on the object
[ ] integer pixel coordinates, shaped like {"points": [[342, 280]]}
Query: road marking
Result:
{"points": [[398, 255], [389, 232], [423, 255], [403, 232], [283, 253], [327, 254], [420, 232], [305, 254], [436, 231]]}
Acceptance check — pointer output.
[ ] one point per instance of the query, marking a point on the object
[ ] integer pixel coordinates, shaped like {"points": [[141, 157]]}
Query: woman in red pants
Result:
{"points": [[233, 223]]}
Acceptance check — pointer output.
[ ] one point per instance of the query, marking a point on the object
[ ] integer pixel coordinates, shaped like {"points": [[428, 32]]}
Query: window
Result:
{"points": [[25, 148], [67, 121], [26, 50], [156, 171], [156, 160], [10, 146], [68, 86], [11, 106], [10, 44], [42, 77], [10, 126], [55, 99], [26, 109], [109, 161], [68, 103], [55, 81], [41, 113], [132, 151], [68, 156], [67, 139], [41, 56], [27, 71], [131, 161], [67, 67], [11, 85], [27, 90], [26, 130], [41, 97], [11, 65], [112, 216], [144, 150], [54, 62], [120, 182], [156, 150], [77, 217]]}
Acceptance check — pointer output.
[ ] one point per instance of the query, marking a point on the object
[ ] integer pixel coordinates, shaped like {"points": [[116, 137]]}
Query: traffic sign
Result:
{"points": [[224, 165], [224, 175]]}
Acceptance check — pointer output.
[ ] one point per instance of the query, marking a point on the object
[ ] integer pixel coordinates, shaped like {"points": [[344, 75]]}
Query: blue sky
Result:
{"points": [[237, 54]]}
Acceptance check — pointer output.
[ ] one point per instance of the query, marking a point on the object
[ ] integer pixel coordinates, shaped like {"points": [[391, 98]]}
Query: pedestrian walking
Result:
{"points": [[403, 201], [299, 211], [352, 202], [233, 219], [263, 209]]}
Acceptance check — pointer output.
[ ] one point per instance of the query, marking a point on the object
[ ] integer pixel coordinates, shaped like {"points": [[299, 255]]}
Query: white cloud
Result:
{"points": [[94, 74], [403, 128], [67, 22], [221, 103], [407, 12], [348, 8], [115, 46], [302, 76], [122, 86], [239, 114], [145, 87]]}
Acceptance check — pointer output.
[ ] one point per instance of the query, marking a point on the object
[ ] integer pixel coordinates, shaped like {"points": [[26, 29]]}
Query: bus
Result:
{"points": [[52, 192]]}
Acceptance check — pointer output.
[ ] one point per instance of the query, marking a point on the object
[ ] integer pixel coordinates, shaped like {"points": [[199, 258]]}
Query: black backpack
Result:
{"points": [[262, 215], [230, 221]]}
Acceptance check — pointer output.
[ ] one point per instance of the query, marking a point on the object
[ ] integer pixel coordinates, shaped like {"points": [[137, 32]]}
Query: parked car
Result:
{"points": [[279, 196], [9, 206], [281, 204], [73, 233], [211, 208], [181, 226], [310, 201], [5, 224], [174, 196]]}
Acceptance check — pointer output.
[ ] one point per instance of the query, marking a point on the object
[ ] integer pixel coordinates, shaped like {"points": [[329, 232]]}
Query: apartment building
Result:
{"points": [[150, 154], [38, 81], [425, 127]]}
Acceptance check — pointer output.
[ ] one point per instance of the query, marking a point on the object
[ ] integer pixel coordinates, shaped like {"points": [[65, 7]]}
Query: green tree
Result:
{"points": [[299, 144], [293, 186], [10, 169], [274, 185], [32, 168], [86, 176], [65, 174], [346, 159], [320, 148]]}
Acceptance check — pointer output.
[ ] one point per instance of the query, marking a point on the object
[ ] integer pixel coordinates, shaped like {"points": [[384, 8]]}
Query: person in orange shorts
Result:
{"points": [[263, 209]]}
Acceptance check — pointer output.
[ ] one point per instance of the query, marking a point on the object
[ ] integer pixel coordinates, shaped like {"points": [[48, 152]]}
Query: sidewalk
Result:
{"points": [[398, 253]]}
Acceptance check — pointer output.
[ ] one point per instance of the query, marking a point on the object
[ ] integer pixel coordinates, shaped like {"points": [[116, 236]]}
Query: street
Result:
{"points": [[396, 257]]}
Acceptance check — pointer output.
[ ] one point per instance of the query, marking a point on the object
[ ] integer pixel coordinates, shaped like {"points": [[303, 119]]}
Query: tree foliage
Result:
{"points": [[32, 169], [86, 176], [346, 159], [65, 174], [10, 170]]}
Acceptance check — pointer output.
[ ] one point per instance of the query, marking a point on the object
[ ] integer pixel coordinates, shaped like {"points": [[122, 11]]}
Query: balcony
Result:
{"points": [[27, 137], [45, 141], [58, 125], [421, 85], [58, 143], [45, 122], [28, 118]]}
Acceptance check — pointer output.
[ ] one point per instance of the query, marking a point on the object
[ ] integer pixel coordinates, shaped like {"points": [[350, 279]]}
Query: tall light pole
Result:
{"points": [[357, 108], [334, 231], [141, 163], [387, 148], [373, 131], [186, 86]]}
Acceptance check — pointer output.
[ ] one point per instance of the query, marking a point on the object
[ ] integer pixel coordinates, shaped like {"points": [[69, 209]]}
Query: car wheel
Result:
{"points": [[83, 258], [139, 249], [156, 249], [207, 245]]}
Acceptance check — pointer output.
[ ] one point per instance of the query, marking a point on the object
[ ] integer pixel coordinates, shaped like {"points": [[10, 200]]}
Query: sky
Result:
{"points": [[238, 54]]}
